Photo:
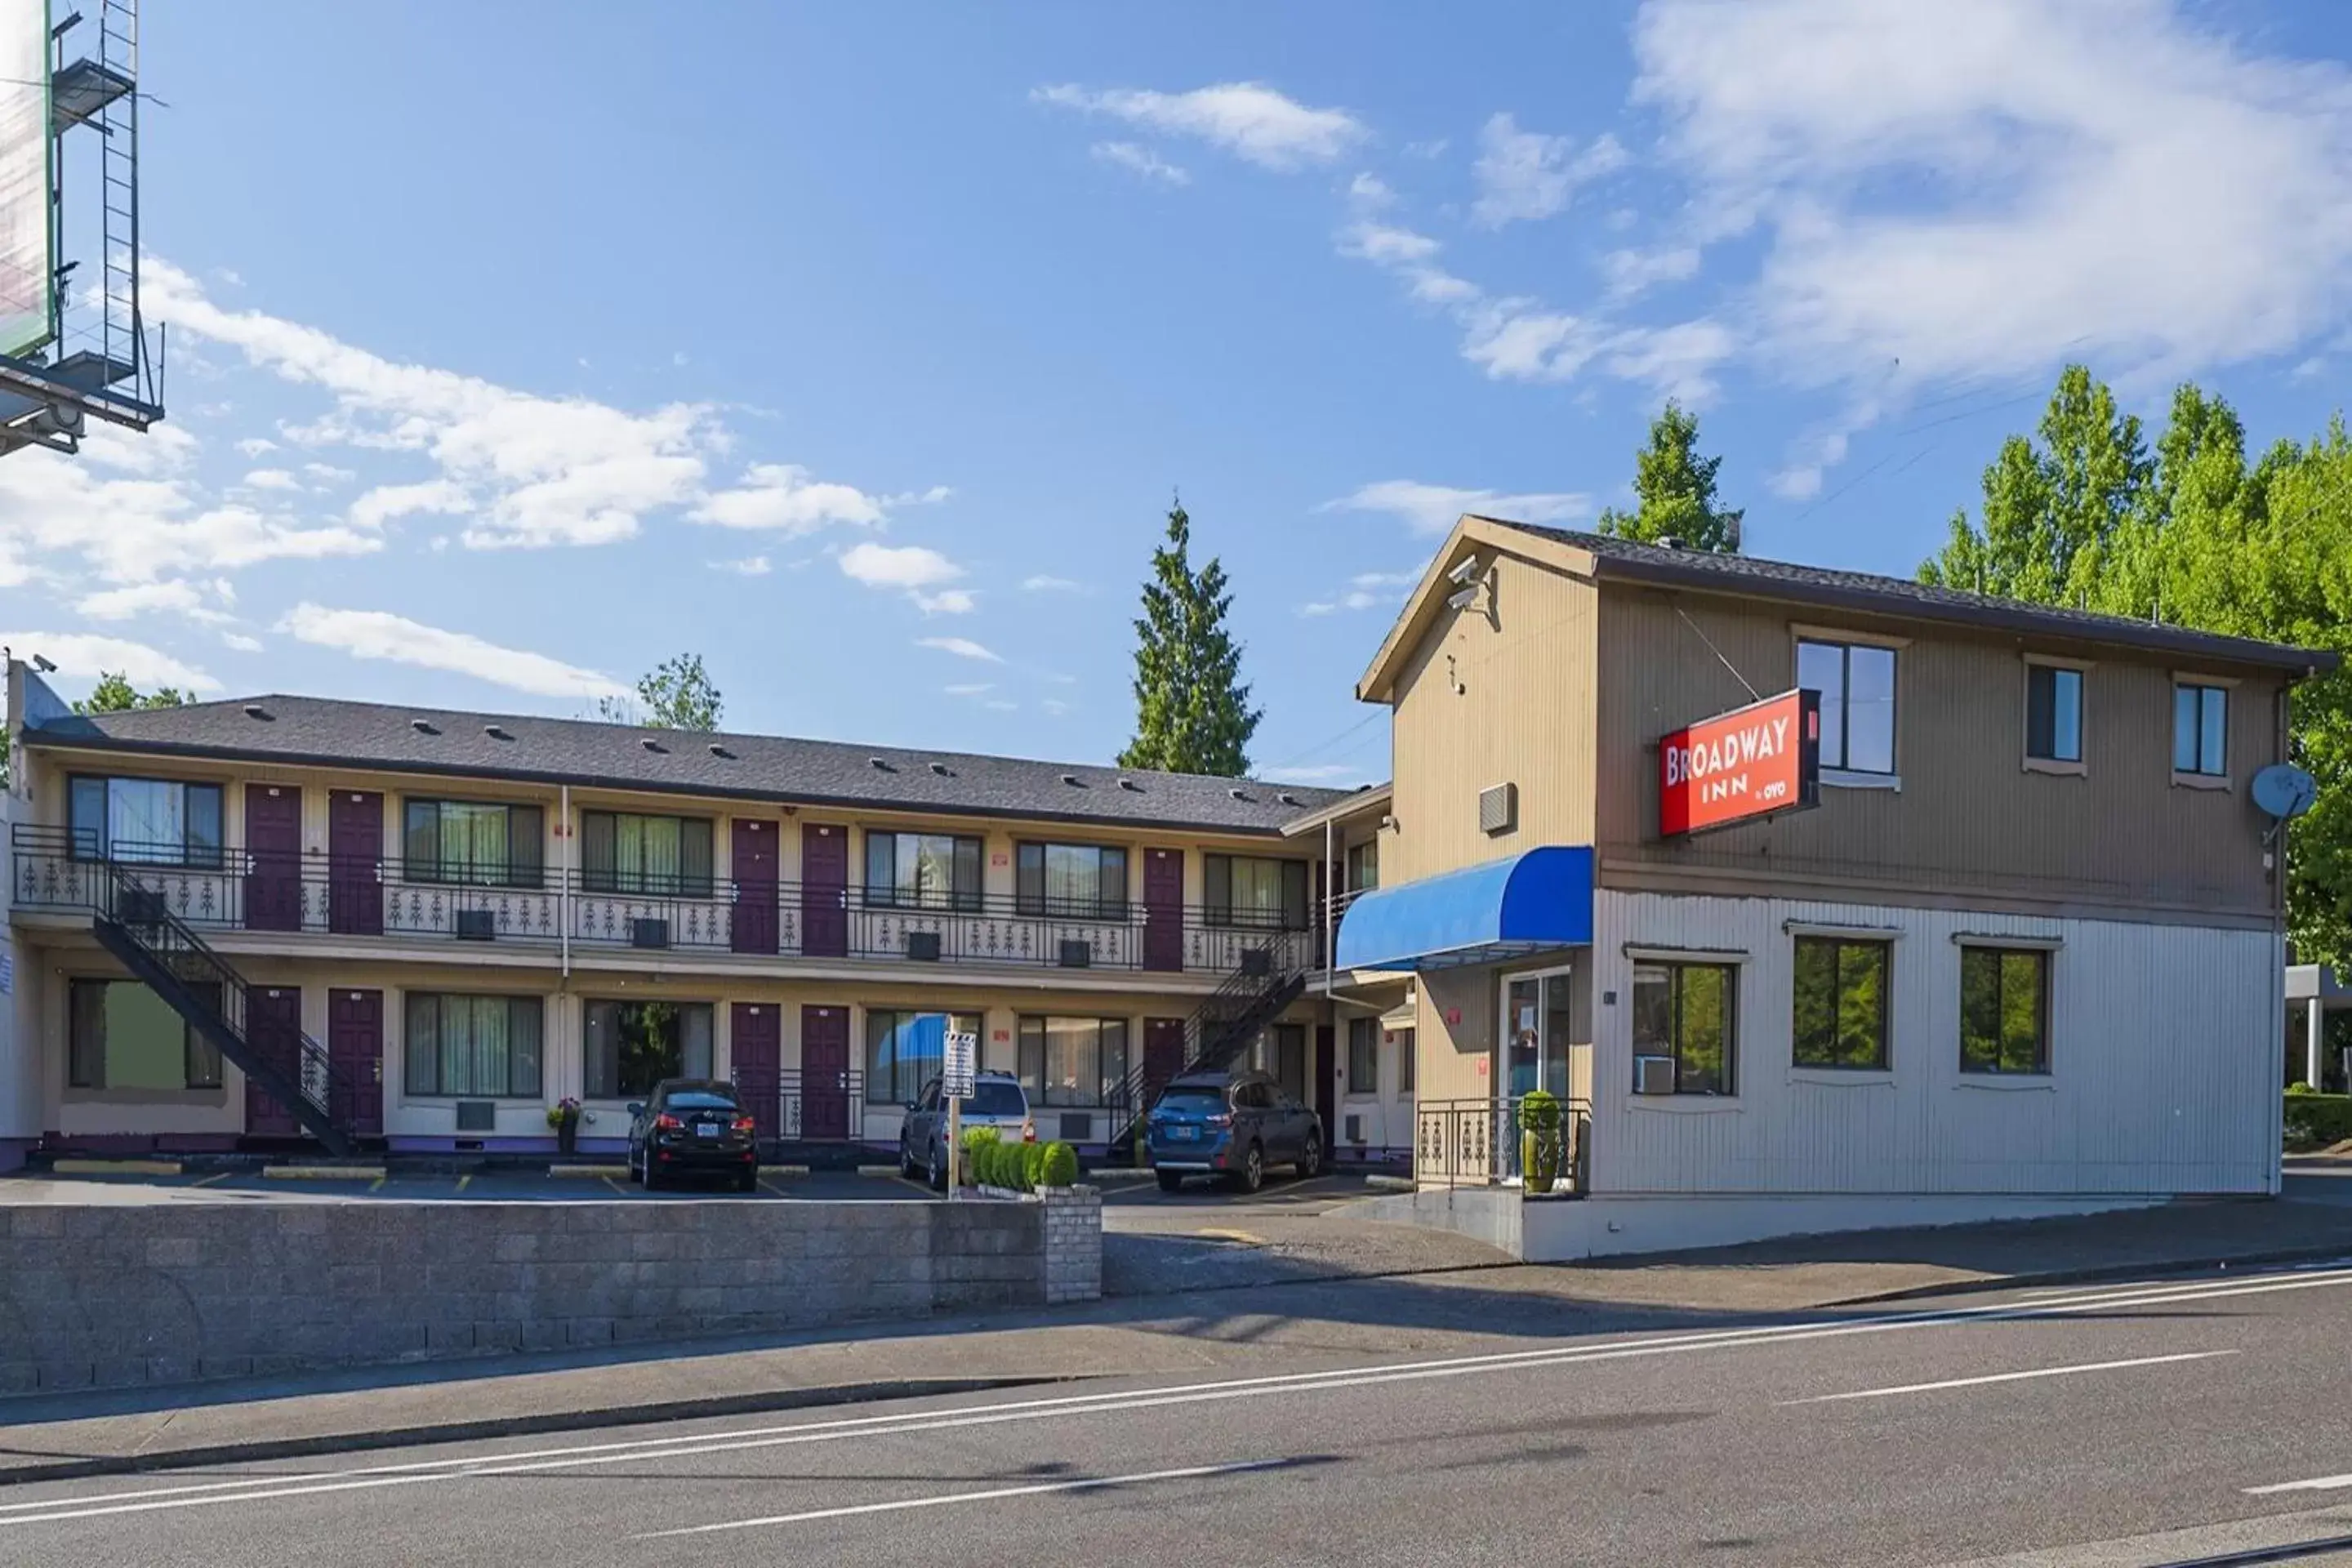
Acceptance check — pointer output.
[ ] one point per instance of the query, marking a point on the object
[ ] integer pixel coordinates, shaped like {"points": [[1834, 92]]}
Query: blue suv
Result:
{"points": [[1231, 1125]]}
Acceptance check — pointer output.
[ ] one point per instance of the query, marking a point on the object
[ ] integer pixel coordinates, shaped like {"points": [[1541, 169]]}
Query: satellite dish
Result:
{"points": [[2283, 791]]}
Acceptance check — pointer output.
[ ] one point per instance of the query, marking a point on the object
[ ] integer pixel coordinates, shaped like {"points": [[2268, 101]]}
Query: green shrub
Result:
{"points": [[994, 1155], [2301, 1088], [1060, 1166], [1032, 1166], [1540, 1143], [2317, 1120]]}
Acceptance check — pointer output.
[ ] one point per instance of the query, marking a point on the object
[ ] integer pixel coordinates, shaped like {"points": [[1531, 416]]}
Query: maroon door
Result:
{"points": [[273, 841], [824, 1071], [354, 848], [755, 895], [755, 1044], [273, 1026], [825, 893], [1163, 1053], [1163, 910], [1327, 1064], [355, 1054]]}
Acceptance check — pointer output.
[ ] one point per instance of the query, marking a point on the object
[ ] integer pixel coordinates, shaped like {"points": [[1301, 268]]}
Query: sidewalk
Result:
{"points": [[1202, 1332]]}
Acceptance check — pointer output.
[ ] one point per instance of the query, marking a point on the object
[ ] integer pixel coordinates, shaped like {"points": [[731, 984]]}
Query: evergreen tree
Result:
{"points": [[1192, 713], [1677, 489], [675, 694], [115, 694]]}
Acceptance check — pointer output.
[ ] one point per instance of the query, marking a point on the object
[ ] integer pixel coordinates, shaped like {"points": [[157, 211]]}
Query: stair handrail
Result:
{"points": [[1236, 997]]}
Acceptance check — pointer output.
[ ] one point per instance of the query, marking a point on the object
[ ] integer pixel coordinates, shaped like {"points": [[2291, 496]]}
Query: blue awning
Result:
{"points": [[1481, 914]]}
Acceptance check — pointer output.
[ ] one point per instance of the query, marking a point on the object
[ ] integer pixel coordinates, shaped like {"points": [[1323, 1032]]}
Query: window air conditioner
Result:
{"points": [[477, 925], [1653, 1074]]}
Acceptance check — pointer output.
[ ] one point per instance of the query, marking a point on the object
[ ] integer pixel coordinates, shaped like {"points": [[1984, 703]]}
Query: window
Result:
{"points": [[472, 842], [156, 821], [1842, 1002], [1404, 1038], [622, 852], [1363, 1056], [1247, 891], [2053, 714], [1281, 1052], [2004, 1010], [905, 1049], [922, 871], [1364, 866], [122, 1036], [632, 1046], [1683, 1012], [2200, 730], [1856, 681], [1073, 1061], [476, 1047], [1071, 880]]}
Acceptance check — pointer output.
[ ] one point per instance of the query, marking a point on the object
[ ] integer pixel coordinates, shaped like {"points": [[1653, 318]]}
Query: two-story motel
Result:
{"points": [[2001, 936]]}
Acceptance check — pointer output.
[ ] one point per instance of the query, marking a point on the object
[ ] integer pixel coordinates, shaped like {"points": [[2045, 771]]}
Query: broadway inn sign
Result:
{"points": [[1751, 763]]}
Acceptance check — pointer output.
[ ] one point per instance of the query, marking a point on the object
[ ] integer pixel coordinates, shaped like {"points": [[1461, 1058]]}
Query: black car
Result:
{"points": [[1231, 1125], [693, 1126]]}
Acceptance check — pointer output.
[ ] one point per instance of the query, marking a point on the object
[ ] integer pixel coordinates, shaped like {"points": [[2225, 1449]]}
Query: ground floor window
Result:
{"points": [[122, 1036], [1404, 1038], [1073, 1061], [905, 1049], [632, 1046], [1281, 1054], [1840, 1003], [1682, 1015], [478, 1047], [1363, 1056], [2004, 1010]]}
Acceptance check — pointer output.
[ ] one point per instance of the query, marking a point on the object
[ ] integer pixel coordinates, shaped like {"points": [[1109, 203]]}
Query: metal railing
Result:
{"points": [[1494, 1142]]}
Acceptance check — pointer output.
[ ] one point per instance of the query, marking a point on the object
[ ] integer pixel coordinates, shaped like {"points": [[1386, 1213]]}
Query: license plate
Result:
{"points": [[706, 1130], [1183, 1132]]}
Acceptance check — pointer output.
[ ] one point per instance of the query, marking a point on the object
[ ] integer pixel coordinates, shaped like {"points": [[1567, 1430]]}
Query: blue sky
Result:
{"points": [[517, 347]]}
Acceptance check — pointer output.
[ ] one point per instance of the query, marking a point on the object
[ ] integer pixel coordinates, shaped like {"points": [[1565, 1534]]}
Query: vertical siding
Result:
{"points": [[2164, 1050]]}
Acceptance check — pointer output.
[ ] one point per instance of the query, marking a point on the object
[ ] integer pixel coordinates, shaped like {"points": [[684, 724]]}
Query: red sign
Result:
{"points": [[1751, 763]]}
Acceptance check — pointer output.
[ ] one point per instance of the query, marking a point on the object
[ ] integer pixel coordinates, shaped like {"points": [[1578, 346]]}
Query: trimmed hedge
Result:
{"points": [[2317, 1120], [1060, 1165], [1019, 1167]]}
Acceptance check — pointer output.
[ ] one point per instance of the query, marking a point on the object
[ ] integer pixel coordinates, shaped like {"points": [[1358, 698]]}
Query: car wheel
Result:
{"points": [[938, 1171], [906, 1161], [1172, 1180], [651, 1181], [1310, 1159], [1251, 1174], [636, 1167]]}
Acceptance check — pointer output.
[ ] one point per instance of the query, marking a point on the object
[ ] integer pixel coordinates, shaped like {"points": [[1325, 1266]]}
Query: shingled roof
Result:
{"points": [[1863, 593], [316, 731]]}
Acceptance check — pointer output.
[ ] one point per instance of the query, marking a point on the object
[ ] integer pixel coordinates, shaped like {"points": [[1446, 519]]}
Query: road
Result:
{"points": [[1950, 1432]]}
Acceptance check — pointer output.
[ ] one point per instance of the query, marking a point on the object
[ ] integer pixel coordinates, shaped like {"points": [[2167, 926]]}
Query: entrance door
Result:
{"points": [[825, 1072], [273, 1026], [825, 893], [355, 1054], [1163, 910], [354, 851], [1540, 1047], [1326, 1064], [273, 840], [755, 889], [756, 1051], [1163, 1053]]}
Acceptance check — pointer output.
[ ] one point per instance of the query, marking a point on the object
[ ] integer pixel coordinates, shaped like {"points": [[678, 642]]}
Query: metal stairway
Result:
{"points": [[1219, 1030], [134, 923]]}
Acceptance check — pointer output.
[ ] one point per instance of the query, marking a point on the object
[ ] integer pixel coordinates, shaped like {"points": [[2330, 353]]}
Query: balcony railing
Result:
{"points": [[235, 889], [1494, 1142]]}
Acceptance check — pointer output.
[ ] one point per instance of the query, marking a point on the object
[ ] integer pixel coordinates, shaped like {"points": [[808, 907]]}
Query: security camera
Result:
{"points": [[1463, 571], [1462, 599], [42, 663]]}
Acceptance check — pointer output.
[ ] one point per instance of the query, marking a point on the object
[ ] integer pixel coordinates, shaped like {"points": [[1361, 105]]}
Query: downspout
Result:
{"points": [[1330, 898], [563, 891]]}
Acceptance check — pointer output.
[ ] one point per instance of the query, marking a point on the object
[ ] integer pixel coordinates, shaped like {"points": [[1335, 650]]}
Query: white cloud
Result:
{"points": [[970, 689], [1042, 584], [1434, 509], [1524, 174], [272, 480], [749, 566], [328, 474], [379, 635], [962, 648], [80, 654], [784, 497], [1138, 159], [443, 498], [241, 643], [1247, 119], [1365, 591], [137, 599], [917, 572], [999, 705], [254, 446], [1055, 706]]}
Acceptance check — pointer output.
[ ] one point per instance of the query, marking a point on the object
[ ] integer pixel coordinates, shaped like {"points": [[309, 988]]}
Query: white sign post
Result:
{"points": [[956, 1074]]}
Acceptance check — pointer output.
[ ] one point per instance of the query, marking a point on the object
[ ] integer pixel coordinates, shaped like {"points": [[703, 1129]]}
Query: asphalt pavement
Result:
{"points": [[2083, 1424]]}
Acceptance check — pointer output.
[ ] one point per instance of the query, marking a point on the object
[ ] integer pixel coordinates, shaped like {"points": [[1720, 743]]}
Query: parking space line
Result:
{"points": [[464, 1180], [208, 1181], [377, 1186], [921, 1187], [771, 1187], [615, 1186]]}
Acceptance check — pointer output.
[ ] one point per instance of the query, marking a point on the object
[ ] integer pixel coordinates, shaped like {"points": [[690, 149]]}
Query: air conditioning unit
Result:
{"points": [[1078, 1126], [1258, 961], [923, 946], [477, 925], [1499, 808], [1653, 1074], [477, 1116], [141, 907], [1077, 955], [648, 933]]}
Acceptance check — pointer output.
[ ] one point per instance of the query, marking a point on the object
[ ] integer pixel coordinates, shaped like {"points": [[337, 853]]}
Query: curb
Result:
{"points": [[716, 1405], [323, 1173], [1392, 1183], [588, 1173], [2337, 1253], [70, 1167]]}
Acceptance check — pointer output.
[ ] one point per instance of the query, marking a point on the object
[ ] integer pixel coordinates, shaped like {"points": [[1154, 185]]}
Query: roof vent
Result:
{"points": [[882, 765], [423, 726], [650, 744], [719, 751], [255, 711], [1237, 795], [1131, 786], [1285, 797], [940, 769], [495, 733], [1072, 780], [1669, 541]]}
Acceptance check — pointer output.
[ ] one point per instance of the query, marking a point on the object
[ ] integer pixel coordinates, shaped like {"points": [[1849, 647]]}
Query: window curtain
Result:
{"points": [[472, 842]]}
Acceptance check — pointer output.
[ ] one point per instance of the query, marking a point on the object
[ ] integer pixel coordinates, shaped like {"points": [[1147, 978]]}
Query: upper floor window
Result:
{"points": [[473, 842], [2053, 714], [1856, 681], [2200, 730], [158, 821], [622, 852], [1248, 890], [922, 871], [1079, 880], [1364, 866]]}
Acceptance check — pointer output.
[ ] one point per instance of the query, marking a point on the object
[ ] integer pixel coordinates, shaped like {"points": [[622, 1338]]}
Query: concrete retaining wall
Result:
{"points": [[112, 1295]]}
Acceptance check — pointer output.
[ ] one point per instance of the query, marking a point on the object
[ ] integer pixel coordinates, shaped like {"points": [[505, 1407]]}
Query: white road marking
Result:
{"points": [[2316, 1484], [1192, 1472], [2009, 1377], [272, 1485]]}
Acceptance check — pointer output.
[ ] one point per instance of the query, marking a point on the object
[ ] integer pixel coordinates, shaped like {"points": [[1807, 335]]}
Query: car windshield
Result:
{"points": [[697, 1100], [995, 1097], [1193, 1101]]}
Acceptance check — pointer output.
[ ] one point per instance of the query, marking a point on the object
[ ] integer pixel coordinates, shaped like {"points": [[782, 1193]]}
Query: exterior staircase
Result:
{"points": [[133, 922], [1216, 1034]]}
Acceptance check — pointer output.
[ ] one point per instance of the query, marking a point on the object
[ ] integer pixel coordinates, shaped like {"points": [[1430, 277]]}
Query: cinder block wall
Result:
{"points": [[114, 1295]]}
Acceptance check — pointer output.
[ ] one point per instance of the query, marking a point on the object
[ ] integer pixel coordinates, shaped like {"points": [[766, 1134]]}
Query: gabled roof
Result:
{"points": [[315, 731], [1605, 557]]}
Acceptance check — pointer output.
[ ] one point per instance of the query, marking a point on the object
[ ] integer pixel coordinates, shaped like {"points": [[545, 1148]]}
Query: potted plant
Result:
{"points": [[1539, 1147], [564, 1117]]}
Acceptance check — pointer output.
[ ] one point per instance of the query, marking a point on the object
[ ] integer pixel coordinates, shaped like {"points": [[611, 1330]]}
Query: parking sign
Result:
{"points": [[962, 1062]]}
